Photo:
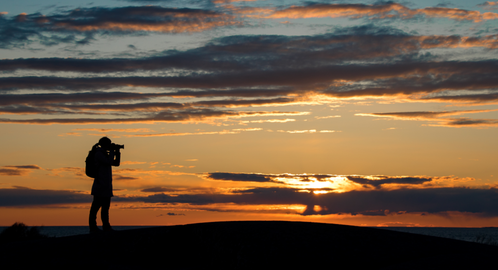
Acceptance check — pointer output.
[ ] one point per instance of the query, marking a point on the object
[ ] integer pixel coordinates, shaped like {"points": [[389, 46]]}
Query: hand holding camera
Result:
{"points": [[116, 147]]}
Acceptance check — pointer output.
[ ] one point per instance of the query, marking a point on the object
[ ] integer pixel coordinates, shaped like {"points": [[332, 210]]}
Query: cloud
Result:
{"points": [[255, 78], [440, 76], [439, 117], [30, 167], [178, 190], [156, 173], [64, 26], [223, 132], [325, 183], [196, 59], [411, 200], [373, 202], [194, 81], [298, 131], [276, 178], [371, 195], [245, 71], [388, 10], [327, 117], [158, 189], [132, 162], [77, 171], [388, 79], [166, 116], [19, 170], [247, 52], [490, 5], [383, 180], [159, 106], [226, 53], [230, 1], [23, 197], [354, 11], [378, 202], [269, 121], [55, 98], [124, 178], [458, 14], [171, 214], [239, 177], [127, 130], [82, 25], [421, 115], [150, 1], [469, 98], [70, 134], [468, 122], [257, 196]]}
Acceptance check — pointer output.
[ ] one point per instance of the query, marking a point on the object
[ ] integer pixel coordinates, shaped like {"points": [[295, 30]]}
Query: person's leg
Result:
{"points": [[104, 214], [92, 219]]}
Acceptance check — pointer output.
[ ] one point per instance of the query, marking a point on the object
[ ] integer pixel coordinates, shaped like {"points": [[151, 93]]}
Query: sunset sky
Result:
{"points": [[369, 113]]}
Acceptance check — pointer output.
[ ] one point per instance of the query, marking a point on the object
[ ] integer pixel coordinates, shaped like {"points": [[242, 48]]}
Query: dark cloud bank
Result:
{"points": [[374, 202], [24, 197], [413, 196]]}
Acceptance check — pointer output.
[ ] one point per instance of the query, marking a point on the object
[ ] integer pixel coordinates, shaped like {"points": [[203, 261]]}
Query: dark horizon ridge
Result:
{"points": [[249, 244]]}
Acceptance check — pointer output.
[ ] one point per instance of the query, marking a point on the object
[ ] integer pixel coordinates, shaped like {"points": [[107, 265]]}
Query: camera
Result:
{"points": [[117, 146]]}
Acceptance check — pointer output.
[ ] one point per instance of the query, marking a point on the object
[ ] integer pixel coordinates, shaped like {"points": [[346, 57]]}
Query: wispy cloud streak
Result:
{"points": [[65, 26], [19, 170], [378, 11], [167, 116], [440, 117]]}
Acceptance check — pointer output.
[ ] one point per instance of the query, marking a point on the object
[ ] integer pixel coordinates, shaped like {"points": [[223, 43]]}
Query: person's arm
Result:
{"points": [[117, 159], [102, 158]]}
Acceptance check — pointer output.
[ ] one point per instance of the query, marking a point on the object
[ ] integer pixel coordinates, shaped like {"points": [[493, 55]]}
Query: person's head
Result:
{"points": [[105, 142]]}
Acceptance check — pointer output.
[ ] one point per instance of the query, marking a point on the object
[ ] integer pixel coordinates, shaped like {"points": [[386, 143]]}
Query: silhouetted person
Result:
{"points": [[106, 155]]}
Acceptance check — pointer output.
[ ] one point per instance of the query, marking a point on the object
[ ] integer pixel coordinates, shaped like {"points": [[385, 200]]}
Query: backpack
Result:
{"points": [[91, 167]]}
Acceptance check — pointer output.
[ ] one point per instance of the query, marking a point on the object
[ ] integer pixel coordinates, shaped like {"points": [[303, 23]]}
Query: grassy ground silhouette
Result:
{"points": [[250, 245], [19, 231]]}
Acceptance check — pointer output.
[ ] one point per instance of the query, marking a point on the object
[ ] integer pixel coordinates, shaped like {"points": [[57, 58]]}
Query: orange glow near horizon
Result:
{"points": [[77, 216]]}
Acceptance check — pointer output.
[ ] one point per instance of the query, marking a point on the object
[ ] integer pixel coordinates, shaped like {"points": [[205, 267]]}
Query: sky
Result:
{"points": [[366, 113]]}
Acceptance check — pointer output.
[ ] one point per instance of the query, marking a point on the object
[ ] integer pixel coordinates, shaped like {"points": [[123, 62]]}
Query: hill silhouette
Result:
{"points": [[249, 245]]}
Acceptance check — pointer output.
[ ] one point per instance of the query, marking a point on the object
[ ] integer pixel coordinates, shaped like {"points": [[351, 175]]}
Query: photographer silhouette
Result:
{"points": [[106, 155]]}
